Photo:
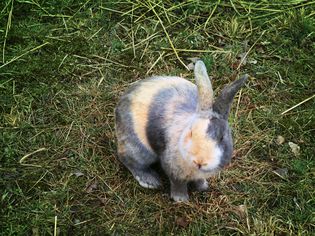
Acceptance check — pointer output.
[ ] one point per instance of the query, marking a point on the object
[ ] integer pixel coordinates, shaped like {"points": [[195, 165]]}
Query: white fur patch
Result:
{"points": [[180, 198], [216, 159], [145, 184]]}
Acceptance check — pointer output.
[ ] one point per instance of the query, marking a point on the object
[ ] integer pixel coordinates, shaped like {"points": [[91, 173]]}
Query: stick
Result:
{"points": [[23, 54], [295, 106], [168, 37], [27, 155], [246, 54], [55, 227]]}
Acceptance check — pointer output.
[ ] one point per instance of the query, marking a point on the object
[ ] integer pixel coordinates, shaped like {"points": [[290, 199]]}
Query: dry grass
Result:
{"points": [[64, 65]]}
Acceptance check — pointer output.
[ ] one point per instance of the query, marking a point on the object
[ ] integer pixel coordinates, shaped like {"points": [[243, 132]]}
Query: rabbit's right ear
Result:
{"points": [[205, 92], [223, 102]]}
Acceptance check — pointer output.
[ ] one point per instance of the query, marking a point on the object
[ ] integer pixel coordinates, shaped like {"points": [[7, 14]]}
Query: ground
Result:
{"points": [[64, 64]]}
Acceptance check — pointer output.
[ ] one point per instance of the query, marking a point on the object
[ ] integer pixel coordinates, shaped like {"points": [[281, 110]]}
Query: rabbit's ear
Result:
{"points": [[223, 102], [205, 92]]}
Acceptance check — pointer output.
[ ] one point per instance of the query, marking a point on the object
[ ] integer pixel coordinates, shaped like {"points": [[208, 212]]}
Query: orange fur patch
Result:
{"points": [[142, 98], [201, 146]]}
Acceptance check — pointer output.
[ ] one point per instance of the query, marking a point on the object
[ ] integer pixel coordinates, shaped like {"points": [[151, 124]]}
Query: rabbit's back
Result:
{"points": [[155, 108]]}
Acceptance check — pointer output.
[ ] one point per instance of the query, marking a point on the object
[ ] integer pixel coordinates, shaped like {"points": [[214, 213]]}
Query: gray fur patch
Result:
{"points": [[219, 130], [156, 130], [136, 152], [224, 101]]}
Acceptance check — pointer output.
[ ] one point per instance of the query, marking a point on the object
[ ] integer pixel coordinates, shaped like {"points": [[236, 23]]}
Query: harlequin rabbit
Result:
{"points": [[170, 120]]}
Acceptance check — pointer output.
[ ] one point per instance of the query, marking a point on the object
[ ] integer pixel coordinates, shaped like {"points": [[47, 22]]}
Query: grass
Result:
{"points": [[64, 65]]}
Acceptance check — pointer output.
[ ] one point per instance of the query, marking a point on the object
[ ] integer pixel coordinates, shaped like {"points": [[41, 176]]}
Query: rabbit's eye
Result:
{"points": [[221, 138]]}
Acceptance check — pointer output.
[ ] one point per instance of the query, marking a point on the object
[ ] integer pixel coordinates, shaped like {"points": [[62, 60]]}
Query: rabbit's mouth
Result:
{"points": [[209, 169], [206, 173]]}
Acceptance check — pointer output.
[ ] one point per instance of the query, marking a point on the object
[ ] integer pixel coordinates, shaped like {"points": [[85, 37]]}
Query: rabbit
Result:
{"points": [[168, 119]]}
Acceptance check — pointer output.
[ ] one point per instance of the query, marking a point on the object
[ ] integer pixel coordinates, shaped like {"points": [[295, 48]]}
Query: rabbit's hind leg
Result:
{"points": [[141, 171], [147, 178]]}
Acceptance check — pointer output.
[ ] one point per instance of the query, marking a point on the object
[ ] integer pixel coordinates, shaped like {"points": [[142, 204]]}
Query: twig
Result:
{"points": [[7, 30], [213, 10], [238, 104], [23, 54], [295, 106], [157, 60], [244, 57], [79, 9], [29, 154], [168, 37], [37, 180], [83, 222], [198, 50], [55, 227]]}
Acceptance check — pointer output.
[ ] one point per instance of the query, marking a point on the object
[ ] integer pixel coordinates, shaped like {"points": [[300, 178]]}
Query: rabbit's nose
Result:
{"points": [[199, 164]]}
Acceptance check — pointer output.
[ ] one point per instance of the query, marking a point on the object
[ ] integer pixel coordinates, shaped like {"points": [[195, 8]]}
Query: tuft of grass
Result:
{"points": [[63, 67]]}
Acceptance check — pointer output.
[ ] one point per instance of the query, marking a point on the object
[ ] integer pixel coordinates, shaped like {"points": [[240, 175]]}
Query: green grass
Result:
{"points": [[64, 64]]}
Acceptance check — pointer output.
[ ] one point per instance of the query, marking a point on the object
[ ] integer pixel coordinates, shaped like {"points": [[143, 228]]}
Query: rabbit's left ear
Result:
{"points": [[205, 92], [222, 103]]}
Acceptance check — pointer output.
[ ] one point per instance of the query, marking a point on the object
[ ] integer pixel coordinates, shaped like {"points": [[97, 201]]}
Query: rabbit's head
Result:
{"points": [[207, 142]]}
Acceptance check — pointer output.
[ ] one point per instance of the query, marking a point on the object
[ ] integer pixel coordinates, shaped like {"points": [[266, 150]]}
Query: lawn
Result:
{"points": [[64, 64]]}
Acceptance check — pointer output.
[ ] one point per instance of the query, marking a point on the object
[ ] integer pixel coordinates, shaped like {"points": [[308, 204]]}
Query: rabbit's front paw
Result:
{"points": [[179, 191], [179, 197], [200, 185]]}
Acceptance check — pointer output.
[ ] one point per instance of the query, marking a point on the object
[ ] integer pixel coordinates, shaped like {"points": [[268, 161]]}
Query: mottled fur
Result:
{"points": [[171, 121]]}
